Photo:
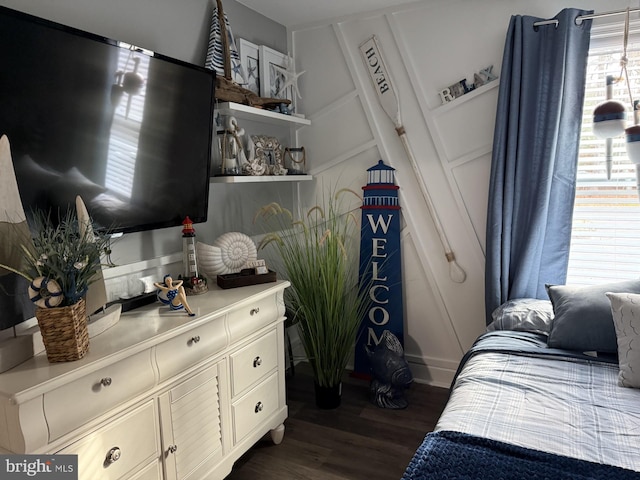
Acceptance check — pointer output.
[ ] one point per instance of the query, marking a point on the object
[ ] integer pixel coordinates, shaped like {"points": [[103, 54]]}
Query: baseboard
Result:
{"points": [[430, 375], [432, 371]]}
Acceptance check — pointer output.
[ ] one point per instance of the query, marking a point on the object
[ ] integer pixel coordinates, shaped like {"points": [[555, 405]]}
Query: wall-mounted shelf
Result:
{"points": [[260, 178], [246, 112], [466, 97]]}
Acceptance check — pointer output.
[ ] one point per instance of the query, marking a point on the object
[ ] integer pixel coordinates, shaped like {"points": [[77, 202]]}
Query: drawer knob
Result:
{"points": [[257, 362], [254, 311], [106, 381], [259, 407], [113, 456], [172, 448], [195, 339]]}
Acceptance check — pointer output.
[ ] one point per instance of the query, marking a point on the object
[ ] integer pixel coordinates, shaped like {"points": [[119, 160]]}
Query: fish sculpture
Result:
{"points": [[390, 373]]}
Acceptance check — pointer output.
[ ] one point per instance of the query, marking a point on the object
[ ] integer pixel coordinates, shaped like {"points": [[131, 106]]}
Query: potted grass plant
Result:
{"points": [[318, 254], [60, 261]]}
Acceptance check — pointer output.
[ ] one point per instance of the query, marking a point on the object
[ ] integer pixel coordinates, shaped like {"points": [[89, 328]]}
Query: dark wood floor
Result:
{"points": [[357, 441]]}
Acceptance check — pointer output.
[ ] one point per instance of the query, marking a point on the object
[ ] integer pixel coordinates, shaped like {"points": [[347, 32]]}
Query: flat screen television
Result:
{"points": [[128, 130]]}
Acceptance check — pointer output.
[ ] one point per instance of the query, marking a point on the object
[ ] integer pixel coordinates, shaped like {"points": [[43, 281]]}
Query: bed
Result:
{"points": [[523, 405]]}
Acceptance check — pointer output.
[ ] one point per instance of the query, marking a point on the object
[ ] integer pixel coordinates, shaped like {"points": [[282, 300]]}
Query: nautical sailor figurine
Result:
{"points": [[172, 294]]}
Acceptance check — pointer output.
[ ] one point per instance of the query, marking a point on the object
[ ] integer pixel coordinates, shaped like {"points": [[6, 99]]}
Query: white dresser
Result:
{"points": [[160, 395]]}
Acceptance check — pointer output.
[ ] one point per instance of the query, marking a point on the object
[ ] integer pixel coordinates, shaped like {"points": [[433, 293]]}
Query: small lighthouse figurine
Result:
{"points": [[194, 284]]}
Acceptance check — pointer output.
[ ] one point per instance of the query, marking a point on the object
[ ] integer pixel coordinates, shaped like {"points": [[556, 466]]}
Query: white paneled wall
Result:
{"points": [[427, 46]]}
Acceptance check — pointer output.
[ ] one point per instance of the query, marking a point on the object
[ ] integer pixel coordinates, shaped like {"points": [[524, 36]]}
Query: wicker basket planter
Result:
{"points": [[64, 332]]}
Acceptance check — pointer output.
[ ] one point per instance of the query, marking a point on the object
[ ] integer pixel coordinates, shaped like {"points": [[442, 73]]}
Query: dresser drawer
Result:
{"points": [[77, 402], [253, 362], [255, 407], [150, 472], [120, 448], [183, 351], [253, 316]]}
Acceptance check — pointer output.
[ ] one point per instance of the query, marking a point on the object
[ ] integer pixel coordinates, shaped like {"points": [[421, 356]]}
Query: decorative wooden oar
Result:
{"points": [[388, 99]]}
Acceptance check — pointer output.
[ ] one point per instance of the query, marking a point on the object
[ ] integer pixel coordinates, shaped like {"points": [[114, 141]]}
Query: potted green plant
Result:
{"points": [[318, 254], [60, 261]]}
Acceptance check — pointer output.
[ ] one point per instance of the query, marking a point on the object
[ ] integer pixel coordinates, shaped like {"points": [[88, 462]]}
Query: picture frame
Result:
{"points": [[271, 78], [250, 61], [268, 156]]}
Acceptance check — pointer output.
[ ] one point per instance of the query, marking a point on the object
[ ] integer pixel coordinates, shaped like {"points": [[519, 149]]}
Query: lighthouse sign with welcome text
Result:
{"points": [[380, 263]]}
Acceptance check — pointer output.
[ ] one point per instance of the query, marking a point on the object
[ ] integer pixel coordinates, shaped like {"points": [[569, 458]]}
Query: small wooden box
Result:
{"points": [[233, 280]]}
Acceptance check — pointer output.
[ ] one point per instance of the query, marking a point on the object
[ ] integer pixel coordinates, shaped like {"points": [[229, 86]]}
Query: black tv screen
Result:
{"points": [[126, 129]]}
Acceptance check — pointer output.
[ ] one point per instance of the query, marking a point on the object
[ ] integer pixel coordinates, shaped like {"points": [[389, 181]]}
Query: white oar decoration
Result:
{"points": [[388, 99]]}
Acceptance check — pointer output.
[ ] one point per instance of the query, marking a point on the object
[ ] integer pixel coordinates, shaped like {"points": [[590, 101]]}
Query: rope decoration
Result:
{"points": [[624, 59]]}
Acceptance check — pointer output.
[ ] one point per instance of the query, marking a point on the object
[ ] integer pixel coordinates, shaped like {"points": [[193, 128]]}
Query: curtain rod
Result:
{"points": [[581, 18]]}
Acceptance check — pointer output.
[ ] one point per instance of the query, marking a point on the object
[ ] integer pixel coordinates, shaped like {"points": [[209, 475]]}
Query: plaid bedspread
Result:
{"points": [[552, 403]]}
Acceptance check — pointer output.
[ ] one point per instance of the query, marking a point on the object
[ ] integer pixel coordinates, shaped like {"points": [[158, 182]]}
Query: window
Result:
{"points": [[605, 240]]}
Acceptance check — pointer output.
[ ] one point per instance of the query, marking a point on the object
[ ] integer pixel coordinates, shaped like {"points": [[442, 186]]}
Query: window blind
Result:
{"points": [[605, 240]]}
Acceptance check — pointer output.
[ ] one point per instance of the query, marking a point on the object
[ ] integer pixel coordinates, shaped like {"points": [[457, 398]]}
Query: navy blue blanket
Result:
{"points": [[446, 455]]}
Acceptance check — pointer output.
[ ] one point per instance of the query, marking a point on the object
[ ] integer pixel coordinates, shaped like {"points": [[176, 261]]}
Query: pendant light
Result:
{"points": [[633, 141], [609, 116], [609, 121], [632, 133]]}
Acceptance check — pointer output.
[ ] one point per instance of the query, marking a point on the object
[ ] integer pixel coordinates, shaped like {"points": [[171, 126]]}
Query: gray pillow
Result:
{"points": [[626, 318], [523, 314], [582, 316]]}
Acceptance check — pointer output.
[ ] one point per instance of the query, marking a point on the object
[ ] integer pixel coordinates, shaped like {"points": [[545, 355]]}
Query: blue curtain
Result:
{"points": [[534, 161]]}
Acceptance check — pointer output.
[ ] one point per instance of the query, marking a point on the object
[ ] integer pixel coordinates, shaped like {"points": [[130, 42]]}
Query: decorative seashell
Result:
{"points": [[229, 253], [256, 168], [278, 170], [45, 293], [209, 259]]}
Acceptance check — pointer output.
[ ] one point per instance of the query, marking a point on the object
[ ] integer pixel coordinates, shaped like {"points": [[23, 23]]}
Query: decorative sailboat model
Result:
{"points": [[221, 54], [16, 348], [100, 317]]}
